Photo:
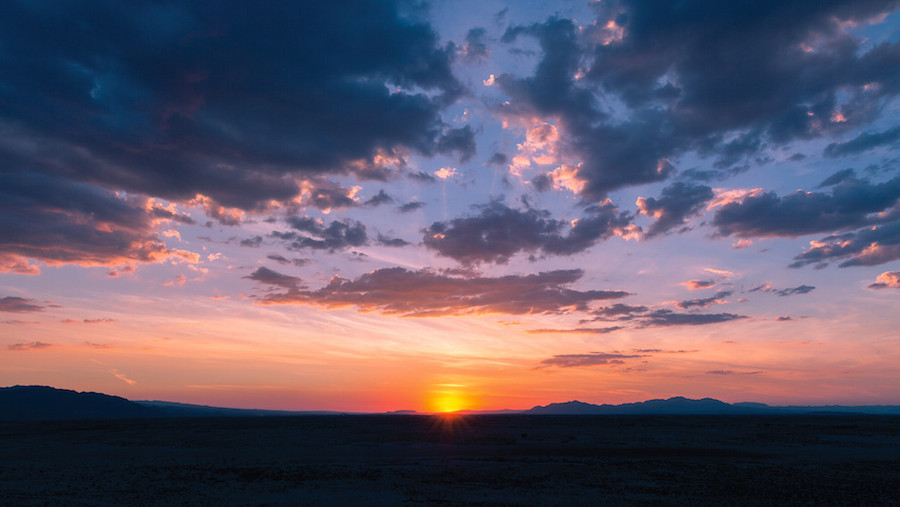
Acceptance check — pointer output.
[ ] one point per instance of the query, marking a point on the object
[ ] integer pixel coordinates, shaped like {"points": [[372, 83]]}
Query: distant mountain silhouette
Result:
{"points": [[676, 405], [32, 403], [705, 406]]}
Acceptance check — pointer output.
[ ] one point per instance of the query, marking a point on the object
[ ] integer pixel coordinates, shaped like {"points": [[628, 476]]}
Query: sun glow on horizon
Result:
{"points": [[446, 402]]}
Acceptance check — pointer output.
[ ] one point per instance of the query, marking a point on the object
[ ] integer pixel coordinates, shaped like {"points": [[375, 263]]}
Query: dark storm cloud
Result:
{"points": [[15, 304], [592, 359], [848, 206], [674, 206], [498, 232], [231, 100], [723, 79], [338, 235], [866, 247], [397, 291], [862, 142], [718, 298]]}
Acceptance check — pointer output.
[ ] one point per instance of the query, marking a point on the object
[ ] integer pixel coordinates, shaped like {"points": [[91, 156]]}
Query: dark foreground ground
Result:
{"points": [[513, 459]]}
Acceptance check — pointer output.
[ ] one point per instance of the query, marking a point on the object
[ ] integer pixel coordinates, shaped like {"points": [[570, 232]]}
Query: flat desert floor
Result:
{"points": [[425, 460]]}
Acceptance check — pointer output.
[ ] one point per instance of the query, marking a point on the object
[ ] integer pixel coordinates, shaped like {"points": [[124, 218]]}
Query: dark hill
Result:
{"points": [[673, 406], [31, 403]]}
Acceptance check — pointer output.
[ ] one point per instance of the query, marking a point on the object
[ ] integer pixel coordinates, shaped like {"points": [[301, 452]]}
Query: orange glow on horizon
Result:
{"points": [[447, 402]]}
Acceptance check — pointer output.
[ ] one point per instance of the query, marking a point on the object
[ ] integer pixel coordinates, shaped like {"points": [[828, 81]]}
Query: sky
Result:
{"points": [[373, 205]]}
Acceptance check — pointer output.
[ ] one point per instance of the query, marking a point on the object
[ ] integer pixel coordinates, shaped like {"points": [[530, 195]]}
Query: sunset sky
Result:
{"points": [[373, 205]]}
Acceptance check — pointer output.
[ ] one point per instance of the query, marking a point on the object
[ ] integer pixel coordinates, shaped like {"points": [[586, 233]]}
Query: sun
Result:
{"points": [[447, 402]]}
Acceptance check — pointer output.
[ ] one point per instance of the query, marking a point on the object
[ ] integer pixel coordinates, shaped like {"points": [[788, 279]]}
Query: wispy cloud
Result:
{"points": [[13, 304], [35, 345]]}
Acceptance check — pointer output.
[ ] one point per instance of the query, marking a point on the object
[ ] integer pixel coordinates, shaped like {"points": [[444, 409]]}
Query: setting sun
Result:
{"points": [[449, 402]]}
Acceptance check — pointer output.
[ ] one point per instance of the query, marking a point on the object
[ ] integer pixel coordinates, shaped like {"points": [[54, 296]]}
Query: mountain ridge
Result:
{"points": [[30, 403]]}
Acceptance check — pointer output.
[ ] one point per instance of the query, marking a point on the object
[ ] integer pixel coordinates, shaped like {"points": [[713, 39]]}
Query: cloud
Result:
{"points": [[228, 103], [474, 48], [327, 195], [592, 359], [579, 330], [676, 204], [802, 289], [705, 302], [17, 265], [866, 247], [422, 177], [153, 109], [460, 141], [888, 279], [699, 284], [267, 276], [35, 345], [88, 321], [253, 242], [643, 316], [388, 241], [498, 159], [648, 82], [862, 142], [56, 220], [380, 198], [765, 214], [410, 206], [397, 291], [122, 377], [667, 318], [498, 232], [13, 304], [338, 235], [784, 318], [280, 259], [619, 309]]}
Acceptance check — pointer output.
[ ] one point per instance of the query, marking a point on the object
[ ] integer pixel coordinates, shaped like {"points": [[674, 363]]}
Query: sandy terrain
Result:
{"points": [[733, 460]]}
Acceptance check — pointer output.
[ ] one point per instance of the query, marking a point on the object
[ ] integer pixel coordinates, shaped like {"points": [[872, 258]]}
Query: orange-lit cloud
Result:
{"points": [[888, 279], [699, 284]]}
